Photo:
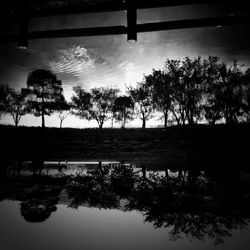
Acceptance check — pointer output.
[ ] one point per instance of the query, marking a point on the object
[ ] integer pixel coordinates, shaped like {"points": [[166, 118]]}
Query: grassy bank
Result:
{"points": [[179, 145]]}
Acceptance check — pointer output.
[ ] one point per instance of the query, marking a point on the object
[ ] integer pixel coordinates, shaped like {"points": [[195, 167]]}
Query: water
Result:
{"points": [[112, 205]]}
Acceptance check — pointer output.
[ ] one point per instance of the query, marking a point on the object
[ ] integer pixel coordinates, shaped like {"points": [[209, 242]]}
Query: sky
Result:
{"points": [[111, 61]]}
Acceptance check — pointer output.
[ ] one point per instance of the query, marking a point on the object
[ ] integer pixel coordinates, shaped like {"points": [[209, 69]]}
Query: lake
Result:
{"points": [[121, 205]]}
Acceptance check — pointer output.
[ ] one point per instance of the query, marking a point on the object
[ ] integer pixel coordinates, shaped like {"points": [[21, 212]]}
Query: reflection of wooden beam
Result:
{"points": [[146, 27]]}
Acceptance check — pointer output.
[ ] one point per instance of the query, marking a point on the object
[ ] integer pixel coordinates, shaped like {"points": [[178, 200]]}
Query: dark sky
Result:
{"points": [[111, 60]]}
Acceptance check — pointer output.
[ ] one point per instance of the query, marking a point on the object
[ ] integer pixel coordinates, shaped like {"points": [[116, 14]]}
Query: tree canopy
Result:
{"points": [[43, 90], [123, 109], [142, 97], [4, 93], [94, 105], [16, 106]]}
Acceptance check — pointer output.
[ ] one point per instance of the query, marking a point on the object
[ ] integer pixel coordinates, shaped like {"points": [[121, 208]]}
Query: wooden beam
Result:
{"points": [[131, 21], [112, 6], [146, 27]]}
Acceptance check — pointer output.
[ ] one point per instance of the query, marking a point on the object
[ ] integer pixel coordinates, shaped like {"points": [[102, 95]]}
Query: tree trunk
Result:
{"points": [[100, 124], [61, 121], [176, 118], [190, 117], [112, 122], [144, 172], [166, 175], [165, 119], [183, 119], [143, 122], [190, 121], [43, 120], [124, 122], [16, 121], [213, 120]]}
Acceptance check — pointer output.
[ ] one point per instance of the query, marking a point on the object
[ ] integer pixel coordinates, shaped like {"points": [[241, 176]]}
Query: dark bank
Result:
{"points": [[197, 145]]}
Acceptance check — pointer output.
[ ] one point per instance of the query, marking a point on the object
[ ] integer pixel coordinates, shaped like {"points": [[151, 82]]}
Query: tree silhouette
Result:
{"points": [[4, 93], [160, 85], [247, 95], [123, 109], [142, 97], [232, 85], [102, 100], [81, 103], [62, 109], [192, 80], [174, 74], [212, 90], [43, 90], [16, 105]]}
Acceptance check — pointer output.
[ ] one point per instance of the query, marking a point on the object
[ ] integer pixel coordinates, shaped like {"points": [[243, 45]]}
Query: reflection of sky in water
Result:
{"points": [[90, 228]]}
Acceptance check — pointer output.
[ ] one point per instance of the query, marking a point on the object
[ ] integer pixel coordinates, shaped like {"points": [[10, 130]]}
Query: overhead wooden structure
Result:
{"points": [[25, 10]]}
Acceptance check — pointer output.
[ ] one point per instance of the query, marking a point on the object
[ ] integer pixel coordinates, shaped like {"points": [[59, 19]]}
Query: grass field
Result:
{"points": [[199, 145]]}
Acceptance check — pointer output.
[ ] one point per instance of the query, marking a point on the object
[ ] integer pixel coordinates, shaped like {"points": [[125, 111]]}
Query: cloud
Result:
{"points": [[74, 60]]}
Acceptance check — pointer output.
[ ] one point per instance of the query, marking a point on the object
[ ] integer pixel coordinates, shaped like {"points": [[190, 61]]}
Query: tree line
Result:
{"points": [[184, 91]]}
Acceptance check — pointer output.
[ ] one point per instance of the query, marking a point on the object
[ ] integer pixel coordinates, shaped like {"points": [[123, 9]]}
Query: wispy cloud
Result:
{"points": [[74, 60]]}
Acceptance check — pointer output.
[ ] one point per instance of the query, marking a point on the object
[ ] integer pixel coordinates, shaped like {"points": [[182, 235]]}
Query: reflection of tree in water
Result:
{"points": [[195, 207], [41, 198], [38, 194], [122, 180], [190, 203], [38, 210], [92, 191], [101, 190]]}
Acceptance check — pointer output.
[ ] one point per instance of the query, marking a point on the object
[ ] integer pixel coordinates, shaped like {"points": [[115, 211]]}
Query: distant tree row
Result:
{"points": [[183, 92], [196, 90]]}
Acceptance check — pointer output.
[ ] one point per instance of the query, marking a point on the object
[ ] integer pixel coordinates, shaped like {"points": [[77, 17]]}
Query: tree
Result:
{"points": [[16, 106], [142, 97], [81, 103], [232, 93], [102, 100], [246, 98], [174, 74], [123, 109], [43, 90], [62, 108], [212, 90], [4, 92], [160, 84], [192, 80]]}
